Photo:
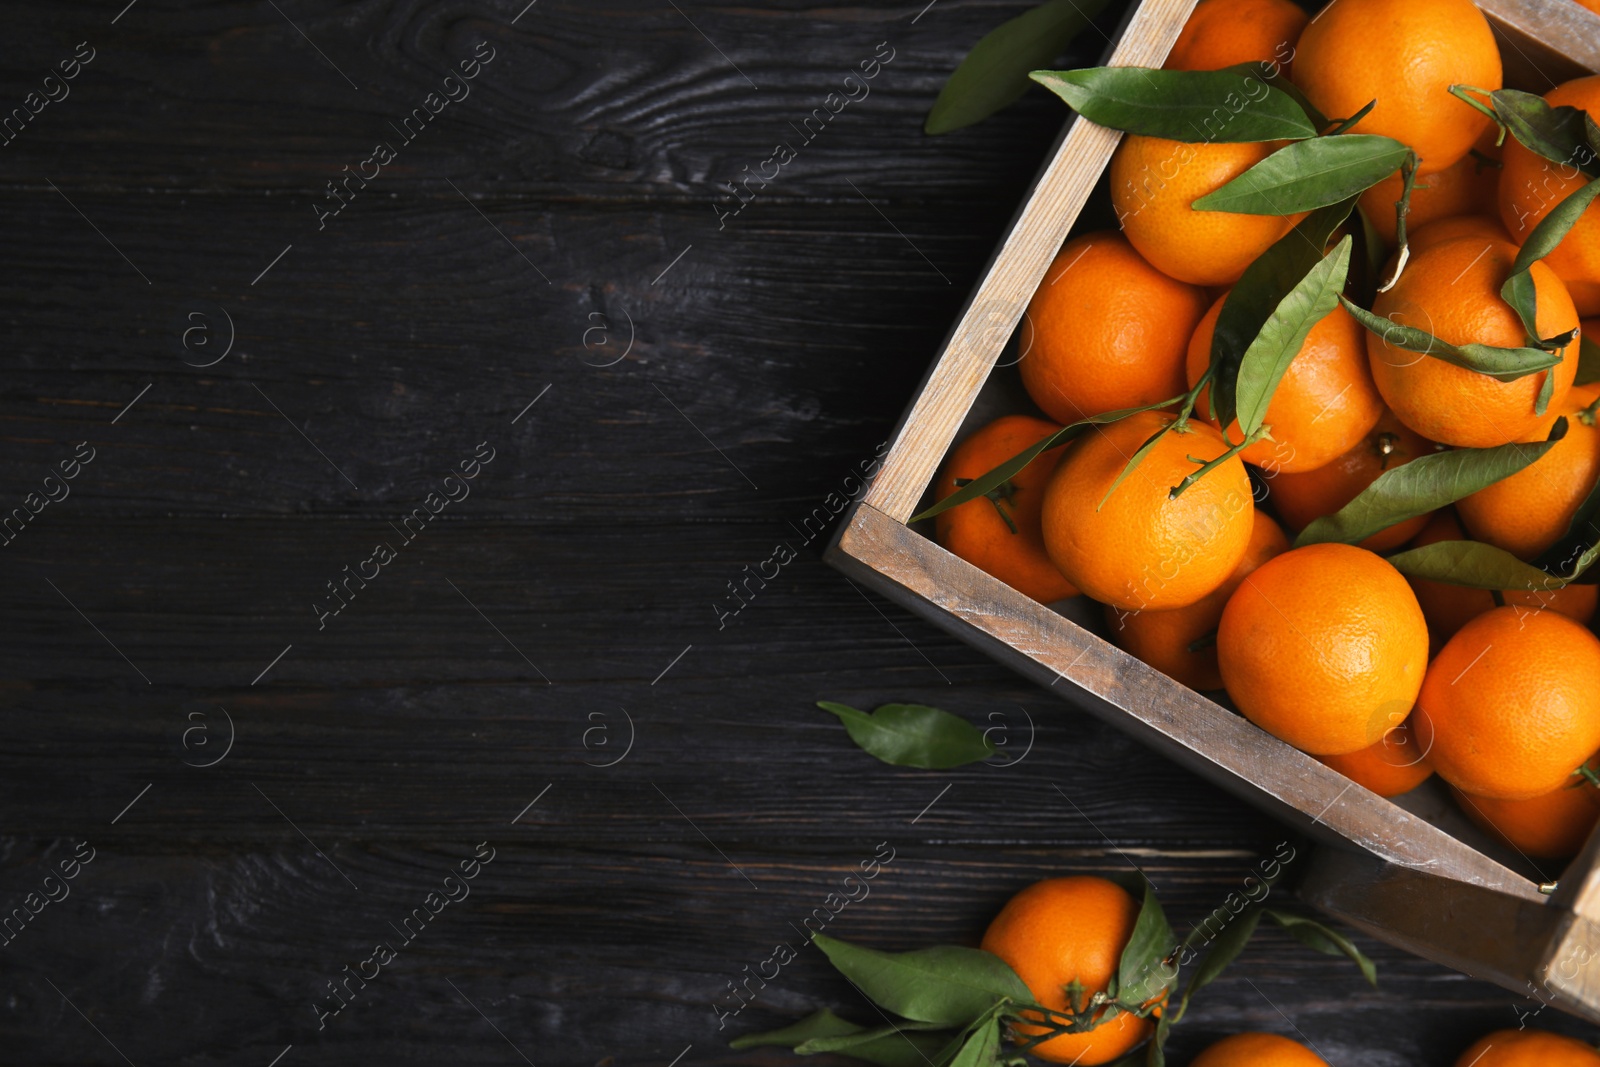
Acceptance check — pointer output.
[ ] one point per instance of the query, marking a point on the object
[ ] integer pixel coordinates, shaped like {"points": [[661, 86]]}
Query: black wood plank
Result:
{"points": [[630, 99], [554, 664]]}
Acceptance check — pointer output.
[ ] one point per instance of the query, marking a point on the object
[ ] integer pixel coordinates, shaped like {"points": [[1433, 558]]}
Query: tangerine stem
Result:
{"points": [[1402, 208], [1589, 413], [1207, 465], [1345, 124], [1460, 93], [1190, 399]]}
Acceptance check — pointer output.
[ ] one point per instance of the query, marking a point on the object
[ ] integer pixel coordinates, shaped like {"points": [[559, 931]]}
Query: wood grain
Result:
{"points": [[598, 543]]}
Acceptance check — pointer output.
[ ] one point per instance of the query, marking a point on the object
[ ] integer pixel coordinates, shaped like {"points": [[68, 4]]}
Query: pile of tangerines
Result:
{"points": [[1446, 640], [1068, 933], [1078, 970]]}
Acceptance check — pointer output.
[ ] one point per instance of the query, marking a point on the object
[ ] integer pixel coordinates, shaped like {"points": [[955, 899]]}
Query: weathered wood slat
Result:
{"points": [[619, 101], [599, 544], [348, 336]]}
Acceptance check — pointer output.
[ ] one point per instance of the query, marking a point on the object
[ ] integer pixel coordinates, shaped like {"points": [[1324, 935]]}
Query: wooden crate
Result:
{"points": [[1381, 866]]}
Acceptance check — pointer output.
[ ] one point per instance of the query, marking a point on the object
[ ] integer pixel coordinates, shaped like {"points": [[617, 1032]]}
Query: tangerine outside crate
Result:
{"points": [[1378, 866]]}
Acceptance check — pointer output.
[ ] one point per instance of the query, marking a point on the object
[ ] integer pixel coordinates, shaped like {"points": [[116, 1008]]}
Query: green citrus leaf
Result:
{"points": [[1573, 555], [1374, 254], [1588, 362], [1309, 174], [982, 1049], [1194, 106], [913, 735], [1556, 133], [1325, 940], [1505, 364], [987, 483], [1155, 1053], [1472, 564], [892, 1046], [1134, 460], [903, 1050], [859, 1037], [1518, 290], [1269, 70], [1256, 295], [1347, 124], [820, 1024], [1425, 484], [1284, 332], [1555, 226], [1224, 949], [1142, 971], [995, 72], [947, 985]]}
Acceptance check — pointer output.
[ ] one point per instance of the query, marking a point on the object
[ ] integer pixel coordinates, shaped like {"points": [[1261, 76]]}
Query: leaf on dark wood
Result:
{"points": [[1505, 364], [1213, 106], [1425, 484], [1257, 294], [900, 1045], [1143, 972], [1472, 564], [821, 1024], [947, 985], [1309, 174], [995, 73], [982, 1047], [906, 1049], [1224, 949], [913, 735], [1282, 335], [987, 483], [1323, 939]]}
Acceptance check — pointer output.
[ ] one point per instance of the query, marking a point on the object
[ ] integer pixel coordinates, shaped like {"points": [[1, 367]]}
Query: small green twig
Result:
{"points": [[1590, 413], [1461, 92], [1484, 162], [1345, 124], [999, 495], [1207, 465], [1190, 399], [1402, 208]]}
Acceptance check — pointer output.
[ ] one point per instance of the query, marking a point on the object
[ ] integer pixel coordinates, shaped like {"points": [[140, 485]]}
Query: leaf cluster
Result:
{"points": [[952, 1006]]}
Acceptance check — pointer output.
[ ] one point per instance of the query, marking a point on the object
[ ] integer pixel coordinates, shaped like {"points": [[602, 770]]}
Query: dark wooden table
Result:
{"points": [[535, 664]]}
